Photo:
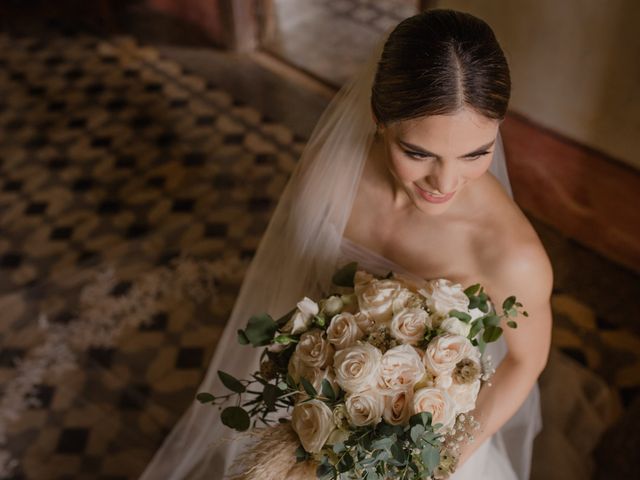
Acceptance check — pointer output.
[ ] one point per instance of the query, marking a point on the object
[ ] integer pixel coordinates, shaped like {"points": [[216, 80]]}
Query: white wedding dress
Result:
{"points": [[297, 256], [507, 454]]}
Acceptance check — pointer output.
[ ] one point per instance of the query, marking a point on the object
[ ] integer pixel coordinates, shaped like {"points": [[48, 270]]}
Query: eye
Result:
{"points": [[477, 156], [416, 155]]}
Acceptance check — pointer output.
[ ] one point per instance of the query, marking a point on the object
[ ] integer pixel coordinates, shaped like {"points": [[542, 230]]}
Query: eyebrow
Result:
{"points": [[421, 150]]}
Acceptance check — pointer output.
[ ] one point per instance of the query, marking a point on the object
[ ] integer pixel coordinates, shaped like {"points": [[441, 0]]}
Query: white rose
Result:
{"points": [[464, 396], [398, 407], [314, 350], [343, 331], [445, 351], [376, 299], [356, 367], [302, 318], [443, 296], [313, 422], [333, 305], [400, 368], [409, 325], [437, 402], [406, 299], [455, 326], [365, 322], [364, 408]]}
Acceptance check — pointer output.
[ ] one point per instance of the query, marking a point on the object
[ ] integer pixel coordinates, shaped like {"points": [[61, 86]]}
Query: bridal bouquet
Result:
{"points": [[381, 377]]}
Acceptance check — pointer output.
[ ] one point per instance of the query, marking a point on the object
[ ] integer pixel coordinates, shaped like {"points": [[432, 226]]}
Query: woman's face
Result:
{"points": [[434, 158]]}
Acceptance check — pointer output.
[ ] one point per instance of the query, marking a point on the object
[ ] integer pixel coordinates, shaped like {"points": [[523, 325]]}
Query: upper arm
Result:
{"points": [[525, 272]]}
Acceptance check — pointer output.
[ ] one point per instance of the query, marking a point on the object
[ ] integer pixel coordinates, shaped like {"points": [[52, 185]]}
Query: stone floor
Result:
{"points": [[120, 163]]}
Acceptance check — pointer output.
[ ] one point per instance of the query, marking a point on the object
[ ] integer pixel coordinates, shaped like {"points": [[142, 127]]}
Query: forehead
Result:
{"points": [[464, 130]]}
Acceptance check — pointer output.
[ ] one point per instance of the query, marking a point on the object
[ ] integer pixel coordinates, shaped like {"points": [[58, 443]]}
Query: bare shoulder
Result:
{"points": [[512, 256]]}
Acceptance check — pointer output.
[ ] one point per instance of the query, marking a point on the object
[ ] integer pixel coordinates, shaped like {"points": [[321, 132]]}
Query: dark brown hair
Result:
{"points": [[437, 62]]}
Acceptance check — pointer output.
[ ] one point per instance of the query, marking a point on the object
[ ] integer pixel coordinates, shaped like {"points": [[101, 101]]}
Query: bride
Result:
{"points": [[404, 171]]}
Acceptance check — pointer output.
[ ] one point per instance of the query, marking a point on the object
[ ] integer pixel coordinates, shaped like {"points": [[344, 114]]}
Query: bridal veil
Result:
{"points": [[296, 257]]}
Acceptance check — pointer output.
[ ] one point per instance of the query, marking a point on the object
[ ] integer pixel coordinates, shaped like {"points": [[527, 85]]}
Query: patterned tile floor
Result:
{"points": [[112, 156]]}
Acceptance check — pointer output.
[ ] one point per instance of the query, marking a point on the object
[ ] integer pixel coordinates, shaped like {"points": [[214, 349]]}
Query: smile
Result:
{"points": [[432, 197]]}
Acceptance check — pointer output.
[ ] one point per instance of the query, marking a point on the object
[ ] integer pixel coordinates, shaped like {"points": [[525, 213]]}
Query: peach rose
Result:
{"points": [[356, 367], [400, 368], [437, 402], [313, 422]]}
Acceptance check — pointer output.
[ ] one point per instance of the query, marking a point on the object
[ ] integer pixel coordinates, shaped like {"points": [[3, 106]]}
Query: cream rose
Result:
{"points": [[405, 299], [445, 351], [437, 402], [410, 325], [314, 350], [464, 396], [376, 299], [443, 296], [302, 318], [398, 407], [313, 422], [364, 408], [343, 331], [356, 367], [365, 322], [400, 368], [455, 326]]}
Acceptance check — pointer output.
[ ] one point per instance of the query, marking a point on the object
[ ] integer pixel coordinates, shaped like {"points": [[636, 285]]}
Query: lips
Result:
{"points": [[434, 198]]}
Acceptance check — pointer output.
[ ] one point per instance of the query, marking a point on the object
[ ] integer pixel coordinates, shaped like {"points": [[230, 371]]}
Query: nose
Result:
{"points": [[444, 177]]}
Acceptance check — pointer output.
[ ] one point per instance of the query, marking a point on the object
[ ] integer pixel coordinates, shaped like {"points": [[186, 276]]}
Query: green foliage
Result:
{"points": [[344, 277], [242, 338], [236, 418], [260, 330], [465, 317], [204, 397], [231, 382], [308, 387]]}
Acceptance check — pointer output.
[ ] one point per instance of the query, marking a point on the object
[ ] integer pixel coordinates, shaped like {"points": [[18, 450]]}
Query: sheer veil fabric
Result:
{"points": [[296, 257]]}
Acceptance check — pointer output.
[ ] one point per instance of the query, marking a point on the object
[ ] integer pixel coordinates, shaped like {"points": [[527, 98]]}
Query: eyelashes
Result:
{"points": [[422, 156]]}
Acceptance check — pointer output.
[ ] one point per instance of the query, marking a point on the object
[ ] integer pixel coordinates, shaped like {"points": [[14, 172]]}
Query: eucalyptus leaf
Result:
{"points": [[430, 457], [472, 290], [242, 337], [490, 320], [383, 443], [465, 317], [327, 390], [508, 303], [345, 276], [260, 330], [204, 397], [416, 433], [231, 382], [475, 328], [512, 324], [310, 389], [236, 418], [491, 333], [339, 447]]}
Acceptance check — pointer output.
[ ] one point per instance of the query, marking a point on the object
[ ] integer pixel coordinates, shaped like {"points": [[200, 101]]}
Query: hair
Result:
{"points": [[436, 63]]}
